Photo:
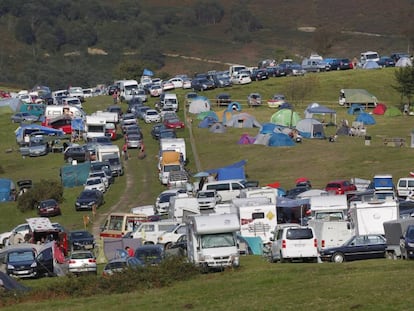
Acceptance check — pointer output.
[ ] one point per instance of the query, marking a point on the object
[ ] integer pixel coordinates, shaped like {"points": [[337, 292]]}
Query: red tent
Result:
{"points": [[380, 109]]}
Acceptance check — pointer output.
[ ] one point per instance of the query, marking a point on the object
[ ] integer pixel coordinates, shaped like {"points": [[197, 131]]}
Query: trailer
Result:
{"points": [[212, 241], [394, 230]]}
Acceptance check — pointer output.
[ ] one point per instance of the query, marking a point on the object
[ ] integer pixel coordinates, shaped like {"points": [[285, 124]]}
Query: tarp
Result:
{"points": [[358, 96], [199, 104], [75, 175], [11, 284], [285, 117], [230, 166], [380, 109], [25, 128], [77, 124], [365, 118], [255, 244], [7, 190], [393, 112], [280, 140], [226, 173], [147, 72], [310, 128]]}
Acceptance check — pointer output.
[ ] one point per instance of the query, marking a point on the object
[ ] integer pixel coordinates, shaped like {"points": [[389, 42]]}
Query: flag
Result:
{"points": [[147, 72]]}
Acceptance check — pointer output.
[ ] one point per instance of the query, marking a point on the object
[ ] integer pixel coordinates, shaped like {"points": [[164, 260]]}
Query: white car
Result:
{"points": [[242, 78], [102, 175], [162, 203], [152, 115], [208, 199], [178, 82], [155, 90], [82, 262], [187, 83], [167, 85], [95, 183], [15, 235]]}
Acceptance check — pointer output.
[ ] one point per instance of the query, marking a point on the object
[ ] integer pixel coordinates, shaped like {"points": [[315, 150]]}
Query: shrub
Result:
{"points": [[45, 189]]}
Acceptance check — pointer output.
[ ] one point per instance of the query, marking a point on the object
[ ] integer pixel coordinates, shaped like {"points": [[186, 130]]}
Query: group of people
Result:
{"points": [[141, 153]]}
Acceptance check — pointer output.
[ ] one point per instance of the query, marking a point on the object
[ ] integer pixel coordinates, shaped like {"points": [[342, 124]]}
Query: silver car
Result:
{"points": [[82, 262]]}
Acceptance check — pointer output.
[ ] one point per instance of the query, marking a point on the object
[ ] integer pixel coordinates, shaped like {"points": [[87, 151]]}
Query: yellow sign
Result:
{"points": [[270, 215]]}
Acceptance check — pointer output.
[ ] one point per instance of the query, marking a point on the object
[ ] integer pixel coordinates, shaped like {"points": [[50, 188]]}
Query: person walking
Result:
{"points": [[125, 151], [141, 153]]}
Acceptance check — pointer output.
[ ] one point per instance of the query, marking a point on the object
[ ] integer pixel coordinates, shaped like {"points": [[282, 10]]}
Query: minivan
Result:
{"points": [[227, 189], [292, 242], [405, 186], [150, 231]]}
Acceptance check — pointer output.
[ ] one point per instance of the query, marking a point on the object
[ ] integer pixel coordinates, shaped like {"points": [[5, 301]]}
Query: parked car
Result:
{"points": [[386, 61], [167, 133], [155, 90], [102, 175], [254, 99], [117, 265], [202, 84], [167, 86], [221, 79], [152, 115], [82, 262], [174, 123], [81, 240], [223, 99], [356, 248], [150, 254], [277, 71], [340, 64], [259, 74], [208, 199], [189, 97], [177, 82], [95, 183], [276, 101], [156, 128], [24, 117], [187, 83], [76, 152], [340, 186], [242, 78], [133, 140], [49, 208], [89, 198], [178, 248], [162, 202], [37, 146], [294, 192]]}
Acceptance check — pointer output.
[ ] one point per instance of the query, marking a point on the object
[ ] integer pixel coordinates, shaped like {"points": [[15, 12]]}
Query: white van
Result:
{"points": [[369, 56], [294, 242], [150, 231], [405, 186], [52, 111], [227, 189]]}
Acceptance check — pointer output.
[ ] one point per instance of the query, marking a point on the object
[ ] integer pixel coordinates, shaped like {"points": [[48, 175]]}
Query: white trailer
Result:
{"points": [[331, 233], [271, 193], [174, 144], [330, 203], [181, 206], [258, 217], [111, 154], [110, 117], [212, 241], [368, 217]]}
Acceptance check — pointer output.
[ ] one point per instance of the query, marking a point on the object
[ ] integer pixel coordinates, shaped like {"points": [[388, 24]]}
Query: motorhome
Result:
{"points": [[127, 88], [331, 229], [212, 241], [111, 154], [258, 217], [327, 204]]}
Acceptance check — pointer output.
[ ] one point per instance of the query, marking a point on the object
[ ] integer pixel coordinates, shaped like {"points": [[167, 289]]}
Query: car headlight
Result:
{"points": [[91, 203], [77, 203]]}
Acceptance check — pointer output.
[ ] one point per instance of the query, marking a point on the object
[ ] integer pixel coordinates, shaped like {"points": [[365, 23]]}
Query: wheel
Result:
{"points": [[338, 257], [168, 245]]}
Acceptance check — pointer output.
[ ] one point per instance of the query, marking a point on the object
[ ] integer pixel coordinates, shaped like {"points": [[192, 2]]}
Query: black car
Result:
{"points": [[356, 248], [89, 198], [167, 133], [259, 74], [277, 71], [223, 99], [340, 64], [386, 61], [78, 153], [294, 192], [112, 89], [156, 129], [202, 84], [407, 243], [81, 239], [150, 254]]}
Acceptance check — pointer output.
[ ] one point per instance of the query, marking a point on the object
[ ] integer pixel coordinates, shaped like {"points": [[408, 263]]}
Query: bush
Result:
{"points": [[45, 189]]}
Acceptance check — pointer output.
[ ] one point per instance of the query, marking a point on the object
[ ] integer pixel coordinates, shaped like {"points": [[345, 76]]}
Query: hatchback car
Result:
{"points": [[151, 115], [49, 208], [259, 74], [242, 78], [120, 265], [276, 101], [254, 99], [174, 123], [341, 186], [356, 248], [202, 84], [82, 262], [150, 254], [81, 240], [95, 183], [223, 99], [133, 140], [78, 153], [89, 198]]}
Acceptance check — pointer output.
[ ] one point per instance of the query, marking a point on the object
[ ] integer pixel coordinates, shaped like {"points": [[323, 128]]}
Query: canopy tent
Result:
{"points": [[365, 118], [26, 129], [199, 104], [318, 109], [285, 117], [310, 128], [357, 96], [242, 120]]}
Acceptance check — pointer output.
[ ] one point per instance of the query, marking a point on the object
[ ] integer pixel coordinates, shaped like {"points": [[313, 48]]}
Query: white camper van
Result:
{"points": [[212, 241]]}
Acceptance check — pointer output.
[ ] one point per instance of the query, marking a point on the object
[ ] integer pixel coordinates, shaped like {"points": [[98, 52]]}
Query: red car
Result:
{"points": [[63, 123], [49, 208], [173, 123], [340, 186]]}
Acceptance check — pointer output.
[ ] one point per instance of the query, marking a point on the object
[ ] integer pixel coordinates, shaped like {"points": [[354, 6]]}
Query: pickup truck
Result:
{"points": [[177, 179]]}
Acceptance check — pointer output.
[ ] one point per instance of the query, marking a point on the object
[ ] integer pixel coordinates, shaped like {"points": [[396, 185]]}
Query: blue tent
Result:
{"points": [[207, 122], [226, 170], [285, 105], [26, 129], [268, 128], [355, 109], [279, 140], [366, 118], [234, 106]]}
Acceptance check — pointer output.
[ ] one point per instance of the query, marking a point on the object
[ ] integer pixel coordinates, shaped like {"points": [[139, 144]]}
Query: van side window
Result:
{"points": [[258, 216], [219, 187], [236, 186], [166, 227], [411, 183]]}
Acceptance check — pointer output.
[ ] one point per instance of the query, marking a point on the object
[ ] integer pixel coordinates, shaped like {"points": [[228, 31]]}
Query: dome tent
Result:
{"points": [[199, 104], [392, 112], [243, 120], [285, 117], [366, 118], [207, 122], [280, 140], [204, 114], [310, 128], [380, 109]]}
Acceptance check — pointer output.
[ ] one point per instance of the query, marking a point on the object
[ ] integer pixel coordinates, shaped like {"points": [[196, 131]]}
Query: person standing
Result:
{"points": [[125, 151], [130, 251]]}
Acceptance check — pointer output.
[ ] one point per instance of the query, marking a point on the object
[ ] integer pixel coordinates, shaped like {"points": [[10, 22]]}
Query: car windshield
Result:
{"points": [[48, 203], [80, 234], [87, 195], [299, 234], [21, 256], [217, 240], [207, 194]]}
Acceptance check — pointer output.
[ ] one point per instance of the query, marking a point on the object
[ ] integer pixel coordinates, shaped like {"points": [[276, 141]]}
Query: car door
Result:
{"points": [[45, 262], [357, 248], [375, 247]]}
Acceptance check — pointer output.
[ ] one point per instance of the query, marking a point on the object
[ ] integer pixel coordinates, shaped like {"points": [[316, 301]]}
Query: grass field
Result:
{"points": [[258, 285]]}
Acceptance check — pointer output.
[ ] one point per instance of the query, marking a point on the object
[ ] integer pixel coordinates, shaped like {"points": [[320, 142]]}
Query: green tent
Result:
{"points": [[285, 117], [392, 112], [357, 96]]}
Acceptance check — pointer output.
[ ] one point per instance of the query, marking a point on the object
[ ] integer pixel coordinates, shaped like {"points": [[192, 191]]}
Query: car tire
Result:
{"points": [[338, 257], [168, 245]]}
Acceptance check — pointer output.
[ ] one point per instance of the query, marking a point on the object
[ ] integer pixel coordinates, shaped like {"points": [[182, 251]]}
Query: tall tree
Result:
{"points": [[404, 76], [208, 11]]}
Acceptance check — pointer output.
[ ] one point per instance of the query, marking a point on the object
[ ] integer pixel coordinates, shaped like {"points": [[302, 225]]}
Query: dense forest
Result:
{"points": [[76, 42]]}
